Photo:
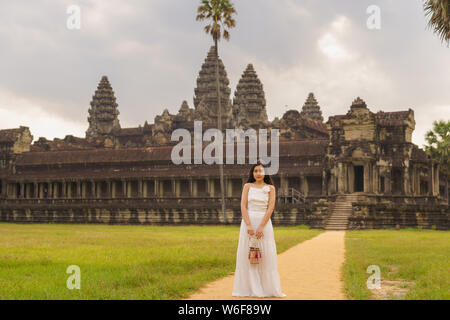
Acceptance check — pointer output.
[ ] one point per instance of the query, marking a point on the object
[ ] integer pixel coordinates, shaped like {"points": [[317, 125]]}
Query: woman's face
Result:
{"points": [[258, 173]]}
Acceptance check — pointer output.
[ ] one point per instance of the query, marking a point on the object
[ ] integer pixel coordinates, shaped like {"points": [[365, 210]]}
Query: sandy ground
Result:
{"points": [[310, 270]]}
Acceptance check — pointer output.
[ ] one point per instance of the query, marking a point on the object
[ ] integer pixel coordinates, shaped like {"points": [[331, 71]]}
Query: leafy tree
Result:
{"points": [[438, 140], [220, 16]]}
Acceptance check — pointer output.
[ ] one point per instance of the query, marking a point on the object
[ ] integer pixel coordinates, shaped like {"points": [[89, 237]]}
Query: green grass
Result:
{"points": [[121, 262], [419, 256]]}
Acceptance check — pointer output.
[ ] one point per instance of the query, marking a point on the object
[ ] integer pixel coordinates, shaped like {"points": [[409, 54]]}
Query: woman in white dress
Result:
{"points": [[257, 204]]}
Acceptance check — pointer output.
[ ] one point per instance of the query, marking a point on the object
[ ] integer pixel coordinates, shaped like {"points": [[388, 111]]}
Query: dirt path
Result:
{"points": [[310, 270]]}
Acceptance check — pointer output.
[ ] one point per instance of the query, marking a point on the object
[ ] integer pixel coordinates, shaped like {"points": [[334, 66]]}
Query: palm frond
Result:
{"points": [[220, 13], [438, 12]]}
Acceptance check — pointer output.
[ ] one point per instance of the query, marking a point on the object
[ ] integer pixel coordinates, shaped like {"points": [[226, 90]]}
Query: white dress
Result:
{"points": [[257, 280]]}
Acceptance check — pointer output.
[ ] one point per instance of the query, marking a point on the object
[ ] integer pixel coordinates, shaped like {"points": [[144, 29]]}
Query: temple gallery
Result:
{"points": [[357, 170]]}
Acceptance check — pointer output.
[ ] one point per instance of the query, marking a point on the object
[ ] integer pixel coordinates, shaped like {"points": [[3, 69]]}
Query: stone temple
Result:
{"points": [[358, 170]]}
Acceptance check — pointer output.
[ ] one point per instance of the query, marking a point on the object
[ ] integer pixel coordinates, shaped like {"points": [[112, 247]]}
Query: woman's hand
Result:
{"points": [[250, 230], [259, 232]]}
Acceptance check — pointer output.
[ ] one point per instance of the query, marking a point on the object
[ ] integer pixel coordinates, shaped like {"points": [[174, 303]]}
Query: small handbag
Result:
{"points": [[254, 253]]}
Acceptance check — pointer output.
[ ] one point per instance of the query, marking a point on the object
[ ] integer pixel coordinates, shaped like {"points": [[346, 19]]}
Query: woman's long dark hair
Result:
{"points": [[251, 178]]}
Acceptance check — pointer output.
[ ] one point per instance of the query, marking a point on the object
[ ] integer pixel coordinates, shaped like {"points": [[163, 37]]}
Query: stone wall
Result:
{"points": [[153, 212], [390, 215]]}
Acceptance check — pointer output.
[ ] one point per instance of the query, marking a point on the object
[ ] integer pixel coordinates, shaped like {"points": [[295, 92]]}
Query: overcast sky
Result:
{"points": [[152, 51]]}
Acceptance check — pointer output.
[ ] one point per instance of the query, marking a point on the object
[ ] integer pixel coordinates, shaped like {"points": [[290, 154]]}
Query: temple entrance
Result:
{"points": [[359, 179]]}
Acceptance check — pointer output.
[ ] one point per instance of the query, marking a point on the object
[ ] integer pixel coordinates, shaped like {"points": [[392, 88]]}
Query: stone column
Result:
{"points": [[351, 177], [10, 191], [22, 190], [63, 189], [430, 178], [78, 195], [417, 180], [366, 177], [406, 181], [92, 183], [283, 183], [446, 190], [324, 183], [127, 188], [98, 189], [208, 187], [83, 189], [388, 181], [191, 186], [375, 182], [229, 192], [49, 190], [174, 187], [346, 177], [194, 188], [333, 189], [108, 189], [55, 189], [29, 193], [304, 182], [145, 188], [69, 190], [26, 191], [340, 178], [156, 187], [113, 189], [140, 188], [436, 179]]}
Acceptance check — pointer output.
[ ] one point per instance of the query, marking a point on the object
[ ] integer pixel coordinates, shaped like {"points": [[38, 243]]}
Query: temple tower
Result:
{"points": [[249, 103], [103, 113], [311, 109], [205, 99]]}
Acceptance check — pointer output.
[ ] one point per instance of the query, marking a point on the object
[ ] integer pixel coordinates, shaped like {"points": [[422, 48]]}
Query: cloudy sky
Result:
{"points": [[152, 51]]}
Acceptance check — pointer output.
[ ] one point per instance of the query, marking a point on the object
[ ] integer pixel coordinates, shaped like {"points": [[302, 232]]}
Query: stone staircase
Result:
{"points": [[341, 210]]}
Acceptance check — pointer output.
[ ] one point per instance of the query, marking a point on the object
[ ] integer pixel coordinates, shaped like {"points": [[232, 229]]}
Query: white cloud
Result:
{"points": [[331, 43], [332, 48], [16, 111], [100, 16], [152, 52]]}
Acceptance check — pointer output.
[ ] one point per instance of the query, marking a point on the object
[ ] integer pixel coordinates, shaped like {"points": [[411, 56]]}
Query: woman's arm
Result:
{"points": [[270, 207], [244, 202]]}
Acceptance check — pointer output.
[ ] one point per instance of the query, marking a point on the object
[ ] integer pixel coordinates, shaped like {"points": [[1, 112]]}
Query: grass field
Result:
{"points": [[120, 262], [415, 263]]}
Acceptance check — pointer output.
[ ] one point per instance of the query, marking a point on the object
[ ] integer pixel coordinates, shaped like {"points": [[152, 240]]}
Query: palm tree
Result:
{"points": [[219, 13], [439, 13]]}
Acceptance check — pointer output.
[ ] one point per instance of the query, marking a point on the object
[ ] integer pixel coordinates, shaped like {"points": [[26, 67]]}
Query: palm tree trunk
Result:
{"points": [[219, 124]]}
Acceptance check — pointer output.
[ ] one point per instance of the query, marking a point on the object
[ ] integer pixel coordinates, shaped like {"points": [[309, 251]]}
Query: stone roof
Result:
{"points": [[294, 115], [206, 83], [130, 131], [249, 102], [103, 114], [68, 143], [397, 118], [311, 108], [10, 135], [419, 154], [298, 148]]}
